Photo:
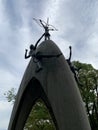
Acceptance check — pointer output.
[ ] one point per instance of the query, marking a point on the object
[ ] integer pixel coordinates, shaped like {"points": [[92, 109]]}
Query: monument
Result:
{"points": [[55, 84]]}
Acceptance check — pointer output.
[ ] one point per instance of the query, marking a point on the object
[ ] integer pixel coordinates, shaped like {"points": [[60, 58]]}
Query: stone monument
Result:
{"points": [[56, 86]]}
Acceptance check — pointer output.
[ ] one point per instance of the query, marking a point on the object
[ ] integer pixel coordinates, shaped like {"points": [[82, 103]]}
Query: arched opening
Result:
{"points": [[39, 118], [34, 102], [30, 98]]}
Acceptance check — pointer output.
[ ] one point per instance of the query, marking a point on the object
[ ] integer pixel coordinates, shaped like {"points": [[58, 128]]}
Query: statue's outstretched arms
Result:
{"points": [[38, 41], [26, 56], [70, 53], [42, 23], [51, 29]]}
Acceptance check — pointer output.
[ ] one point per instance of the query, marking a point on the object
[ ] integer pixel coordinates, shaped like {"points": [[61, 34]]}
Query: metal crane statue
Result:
{"points": [[47, 27]]}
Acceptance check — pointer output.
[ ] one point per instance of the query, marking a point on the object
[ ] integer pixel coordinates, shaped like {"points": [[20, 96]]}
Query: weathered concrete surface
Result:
{"points": [[55, 84]]}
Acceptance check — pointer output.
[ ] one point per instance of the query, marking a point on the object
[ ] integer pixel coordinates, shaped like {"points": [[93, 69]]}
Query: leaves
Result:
{"points": [[88, 76], [39, 118], [11, 95]]}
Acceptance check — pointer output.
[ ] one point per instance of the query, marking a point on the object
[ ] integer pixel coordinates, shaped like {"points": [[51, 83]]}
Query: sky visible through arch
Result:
{"points": [[77, 24]]}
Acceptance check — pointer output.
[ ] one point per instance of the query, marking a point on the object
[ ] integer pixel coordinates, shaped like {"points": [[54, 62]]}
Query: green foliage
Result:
{"points": [[11, 95], [88, 76], [39, 118]]}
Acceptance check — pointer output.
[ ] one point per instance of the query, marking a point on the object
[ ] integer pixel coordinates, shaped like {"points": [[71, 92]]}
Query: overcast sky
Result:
{"points": [[77, 24]]}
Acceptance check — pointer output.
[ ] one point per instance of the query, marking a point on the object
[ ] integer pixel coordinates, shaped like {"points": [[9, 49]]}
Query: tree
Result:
{"points": [[39, 118], [88, 76], [11, 95]]}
